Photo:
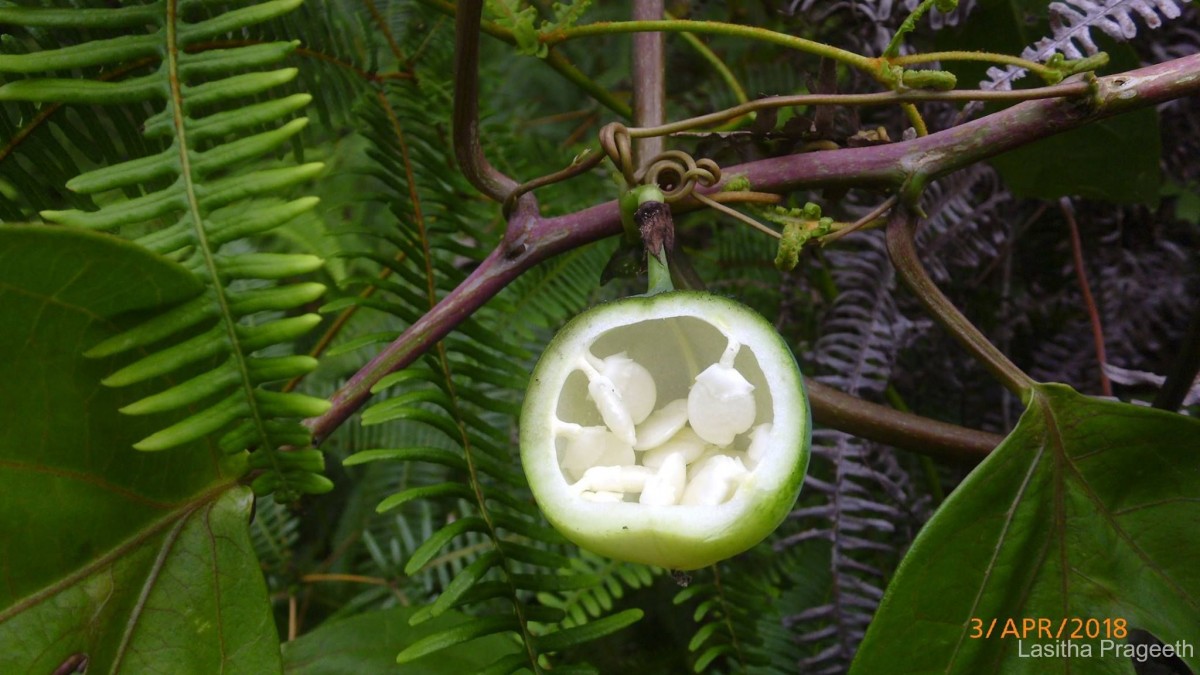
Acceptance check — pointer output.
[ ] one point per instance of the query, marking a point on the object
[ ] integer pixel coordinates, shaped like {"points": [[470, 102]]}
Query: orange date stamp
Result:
{"points": [[1046, 628]]}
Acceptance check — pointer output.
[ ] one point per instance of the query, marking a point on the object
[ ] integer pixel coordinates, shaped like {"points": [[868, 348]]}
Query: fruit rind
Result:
{"points": [[674, 536]]}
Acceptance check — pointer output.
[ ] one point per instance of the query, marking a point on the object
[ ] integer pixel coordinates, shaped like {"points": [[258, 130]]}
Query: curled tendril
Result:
{"points": [[583, 162], [676, 172], [617, 144]]}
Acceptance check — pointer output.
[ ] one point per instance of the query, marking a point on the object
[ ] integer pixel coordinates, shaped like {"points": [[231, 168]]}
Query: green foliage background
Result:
{"points": [[322, 130]]}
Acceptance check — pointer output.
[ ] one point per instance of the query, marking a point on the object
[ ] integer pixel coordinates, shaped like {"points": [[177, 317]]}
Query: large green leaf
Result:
{"points": [[1115, 160], [140, 561], [368, 643], [1089, 510]]}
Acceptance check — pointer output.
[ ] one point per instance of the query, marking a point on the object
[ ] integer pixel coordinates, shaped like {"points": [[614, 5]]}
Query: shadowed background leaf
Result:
{"points": [[1086, 510], [142, 561], [368, 643]]}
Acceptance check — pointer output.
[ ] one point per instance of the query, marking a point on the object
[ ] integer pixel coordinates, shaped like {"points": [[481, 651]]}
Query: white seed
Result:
{"points": [[715, 482], [687, 447], [624, 392], [612, 409], [760, 440], [602, 497], [685, 443], [614, 479], [665, 487], [635, 384], [721, 404], [592, 446], [661, 425], [699, 465]]}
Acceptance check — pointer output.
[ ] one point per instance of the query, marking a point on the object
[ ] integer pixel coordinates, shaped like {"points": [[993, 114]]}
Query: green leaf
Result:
{"points": [[368, 643], [433, 544], [701, 637], [709, 655], [465, 632], [424, 492], [577, 635], [140, 561], [417, 454], [1088, 510], [462, 583], [1187, 201], [1114, 160]]}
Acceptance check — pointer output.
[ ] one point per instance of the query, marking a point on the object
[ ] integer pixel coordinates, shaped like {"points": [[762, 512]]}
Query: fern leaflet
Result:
{"points": [[465, 389], [1071, 25], [194, 201]]}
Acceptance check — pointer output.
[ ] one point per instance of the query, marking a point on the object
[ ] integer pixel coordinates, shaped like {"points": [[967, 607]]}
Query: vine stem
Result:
{"points": [[872, 99], [903, 251], [649, 82], [723, 71], [1041, 70], [467, 150], [849, 58], [586, 163], [554, 59], [897, 428], [908, 26], [1089, 302], [876, 166]]}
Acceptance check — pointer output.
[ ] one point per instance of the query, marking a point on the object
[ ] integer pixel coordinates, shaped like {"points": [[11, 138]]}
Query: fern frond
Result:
{"points": [[274, 531], [339, 56], [874, 21], [863, 331], [194, 201], [491, 554], [859, 525], [1142, 287], [966, 228], [561, 287], [591, 601], [1071, 25], [739, 611], [859, 498]]}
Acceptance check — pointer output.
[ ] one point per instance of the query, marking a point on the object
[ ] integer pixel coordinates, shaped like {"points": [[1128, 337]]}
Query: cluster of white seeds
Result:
{"points": [[685, 452]]}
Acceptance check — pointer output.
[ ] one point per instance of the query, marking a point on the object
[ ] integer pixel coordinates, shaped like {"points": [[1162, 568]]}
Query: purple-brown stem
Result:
{"points": [[1085, 289], [901, 230], [475, 166], [649, 81], [887, 166]]}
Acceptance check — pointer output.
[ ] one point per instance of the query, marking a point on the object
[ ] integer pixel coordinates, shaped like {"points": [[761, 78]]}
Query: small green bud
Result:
{"points": [[937, 80], [891, 75], [265, 484], [1094, 62], [945, 5], [789, 247], [738, 183], [310, 460], [824, 227], [309, 483], [812, 211]]}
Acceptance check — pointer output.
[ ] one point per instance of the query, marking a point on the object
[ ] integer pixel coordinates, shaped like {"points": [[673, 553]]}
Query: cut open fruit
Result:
{"points": [[671, 430]]}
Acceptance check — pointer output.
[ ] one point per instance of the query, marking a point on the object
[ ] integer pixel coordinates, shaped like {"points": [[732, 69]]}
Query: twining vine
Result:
{"points": [[416, 368]]}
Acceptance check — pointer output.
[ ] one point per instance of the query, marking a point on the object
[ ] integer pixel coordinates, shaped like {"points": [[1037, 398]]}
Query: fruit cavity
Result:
{"points": [[669, 429], [690, 451]]}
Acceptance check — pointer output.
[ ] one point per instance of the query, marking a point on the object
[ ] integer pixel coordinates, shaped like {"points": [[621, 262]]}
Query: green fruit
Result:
{"points": [[671, 430]]}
